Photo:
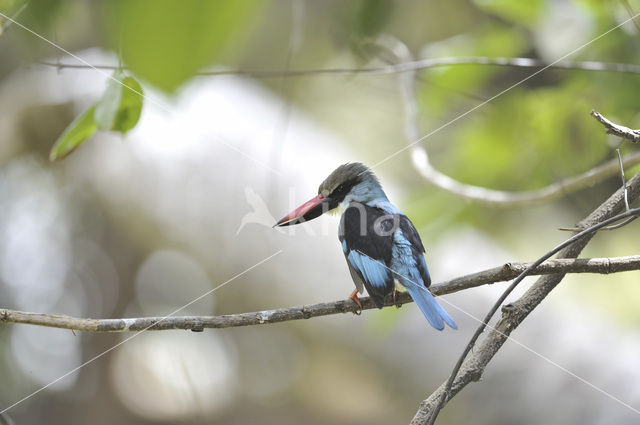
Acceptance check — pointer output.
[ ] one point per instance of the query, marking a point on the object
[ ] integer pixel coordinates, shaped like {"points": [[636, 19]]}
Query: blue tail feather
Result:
{"points": [[435, 314]]}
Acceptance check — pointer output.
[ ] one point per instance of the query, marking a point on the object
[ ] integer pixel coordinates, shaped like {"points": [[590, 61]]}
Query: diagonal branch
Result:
{"points": [[198, 323], [600, 218], [473, 367]]}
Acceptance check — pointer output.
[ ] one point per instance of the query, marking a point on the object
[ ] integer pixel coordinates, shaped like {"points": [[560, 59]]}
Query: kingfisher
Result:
{"points": [[381, 245]]}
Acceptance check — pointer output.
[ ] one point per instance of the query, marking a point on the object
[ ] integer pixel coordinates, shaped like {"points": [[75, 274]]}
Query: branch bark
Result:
{"points": [[407, 66], [617, 129], [513, 314], [502, 273]]}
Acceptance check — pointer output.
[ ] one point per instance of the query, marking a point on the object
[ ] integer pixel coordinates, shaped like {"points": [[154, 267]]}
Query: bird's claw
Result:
{"points": [[354, 297]]}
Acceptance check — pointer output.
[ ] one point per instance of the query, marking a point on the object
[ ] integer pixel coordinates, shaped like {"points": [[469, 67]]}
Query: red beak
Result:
{"points": [[308, 211]]}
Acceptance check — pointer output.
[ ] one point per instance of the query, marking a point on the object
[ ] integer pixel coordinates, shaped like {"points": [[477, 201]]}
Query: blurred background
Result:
{"points": [[150, 213]]}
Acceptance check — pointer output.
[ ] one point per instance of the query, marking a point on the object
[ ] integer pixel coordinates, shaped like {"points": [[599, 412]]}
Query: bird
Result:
{"points": [[381, 245]]}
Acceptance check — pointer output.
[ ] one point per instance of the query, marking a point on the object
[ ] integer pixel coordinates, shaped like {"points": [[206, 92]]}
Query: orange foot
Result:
{"points": [[354, 297], [395, 298]]}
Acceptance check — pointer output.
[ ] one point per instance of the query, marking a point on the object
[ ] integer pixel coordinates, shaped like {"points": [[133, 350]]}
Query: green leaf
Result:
{"points": [[130, 106], [166, 42], [107, 106], [74, 135], [120, 106], [118, 109]]}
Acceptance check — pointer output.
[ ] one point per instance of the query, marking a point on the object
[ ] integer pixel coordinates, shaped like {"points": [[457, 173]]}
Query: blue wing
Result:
{"points": [[367, 252], [373, 272]]}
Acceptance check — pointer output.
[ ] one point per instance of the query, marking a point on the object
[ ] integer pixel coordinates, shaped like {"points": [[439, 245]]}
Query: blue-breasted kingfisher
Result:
{"points": [[381, 245]]}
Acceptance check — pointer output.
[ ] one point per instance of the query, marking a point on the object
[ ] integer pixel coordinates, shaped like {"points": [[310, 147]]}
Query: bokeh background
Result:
{"points": [[142, 223]]}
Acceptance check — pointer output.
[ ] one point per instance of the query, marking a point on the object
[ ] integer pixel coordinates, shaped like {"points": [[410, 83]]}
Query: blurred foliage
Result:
{"points": [[533, 134], [492, 40], [528, 137], [361, 22], [40, 14], [524, 13], [12, 8], [372, 17], [543, 128], [165, 42]]}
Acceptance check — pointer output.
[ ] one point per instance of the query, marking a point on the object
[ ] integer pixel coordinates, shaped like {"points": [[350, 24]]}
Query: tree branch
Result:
{"points": [[617, 129], [198, 323], [495, 198], [471, 369], [513, 314], [408, 66], [509, 199]]}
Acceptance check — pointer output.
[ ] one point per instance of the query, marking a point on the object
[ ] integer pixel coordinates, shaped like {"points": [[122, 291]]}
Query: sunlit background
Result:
{"points": [[140, 224]]}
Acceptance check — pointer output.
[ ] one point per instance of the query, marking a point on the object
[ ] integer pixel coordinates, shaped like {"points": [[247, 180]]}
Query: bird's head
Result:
{"points": [[350, 182]]}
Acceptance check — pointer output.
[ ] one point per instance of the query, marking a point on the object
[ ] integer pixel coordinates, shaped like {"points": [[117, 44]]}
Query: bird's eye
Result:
{"points": [[340, 188]]}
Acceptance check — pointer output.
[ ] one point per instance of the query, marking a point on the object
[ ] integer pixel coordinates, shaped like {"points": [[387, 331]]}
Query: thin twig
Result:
{"points": [[471, 369], [511, 199], [617, 129], [612, 227], [626, 203], [197, 323], [624, 181], [405, 67]]}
